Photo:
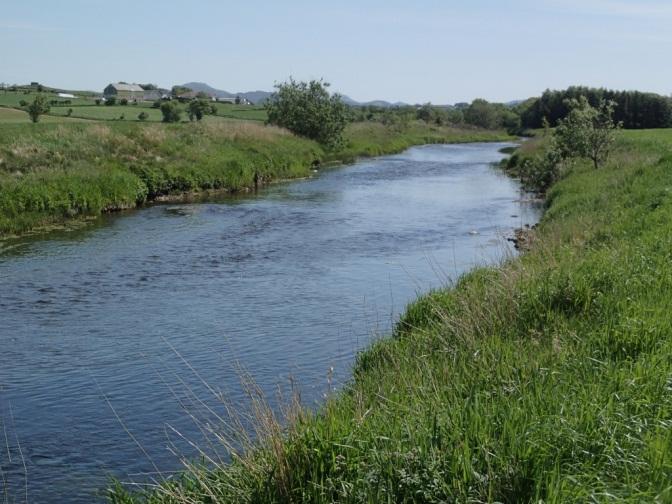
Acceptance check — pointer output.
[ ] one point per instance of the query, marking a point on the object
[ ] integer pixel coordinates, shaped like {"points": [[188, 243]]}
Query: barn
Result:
{"points": [[122, 90]]}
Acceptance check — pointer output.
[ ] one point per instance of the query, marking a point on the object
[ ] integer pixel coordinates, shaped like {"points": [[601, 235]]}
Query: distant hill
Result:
{"points": [[258, 97], [255, 97], [373, 103]]}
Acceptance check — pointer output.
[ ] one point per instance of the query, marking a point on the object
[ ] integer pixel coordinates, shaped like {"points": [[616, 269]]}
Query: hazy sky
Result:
{"points": [[415, 51]]}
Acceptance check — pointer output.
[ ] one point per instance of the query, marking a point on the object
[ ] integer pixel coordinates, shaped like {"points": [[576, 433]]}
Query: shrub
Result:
{"points": [[197, 109], [143, 116], [123, 101], [111, 101], [37, 108], [171, 112], [308, 109], [587, 131]]}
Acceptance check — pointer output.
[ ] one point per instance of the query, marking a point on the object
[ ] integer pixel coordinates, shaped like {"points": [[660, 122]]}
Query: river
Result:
{"points": [[116, 334]]}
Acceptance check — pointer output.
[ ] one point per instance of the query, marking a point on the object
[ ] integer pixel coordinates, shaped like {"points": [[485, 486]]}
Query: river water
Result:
{"points": [[115, 335]]}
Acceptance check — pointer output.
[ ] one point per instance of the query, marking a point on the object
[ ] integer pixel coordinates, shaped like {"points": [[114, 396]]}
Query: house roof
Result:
{"points": [[127, 87]]}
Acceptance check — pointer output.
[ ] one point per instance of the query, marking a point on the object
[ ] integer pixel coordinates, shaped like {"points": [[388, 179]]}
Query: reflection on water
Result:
{"points": [[137, 312]]}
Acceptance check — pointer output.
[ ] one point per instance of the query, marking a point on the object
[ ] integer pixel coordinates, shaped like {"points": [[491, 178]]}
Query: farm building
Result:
{"points": [[152, 95], [122, 90]]}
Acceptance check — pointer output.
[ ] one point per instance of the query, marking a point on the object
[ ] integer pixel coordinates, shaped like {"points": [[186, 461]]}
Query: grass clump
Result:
{"points": [[545, 379]]}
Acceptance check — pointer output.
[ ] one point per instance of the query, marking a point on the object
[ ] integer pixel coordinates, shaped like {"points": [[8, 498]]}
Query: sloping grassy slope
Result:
{"points": [[51, 174], [547, 379]]}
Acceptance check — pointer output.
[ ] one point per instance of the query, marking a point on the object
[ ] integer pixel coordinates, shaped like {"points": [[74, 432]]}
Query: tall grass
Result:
{"points": [[50, 174], [546, 379]]}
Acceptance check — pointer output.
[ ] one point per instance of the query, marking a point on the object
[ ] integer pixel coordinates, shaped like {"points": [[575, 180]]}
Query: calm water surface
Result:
{"points": [[116, 328]]}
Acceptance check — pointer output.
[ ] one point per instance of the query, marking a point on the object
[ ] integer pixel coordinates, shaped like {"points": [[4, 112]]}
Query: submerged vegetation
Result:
{"points": [[545, 379]]}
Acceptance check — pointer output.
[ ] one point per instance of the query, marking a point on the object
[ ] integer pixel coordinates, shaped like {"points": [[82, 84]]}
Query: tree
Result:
{"points": [[425, 113], [308, 110], [587, 131], [123, 101], [237, 100], [143, 116], [482, 114], [37, 108], [197, 109], [111, 101], [171, 112], [179, 90]]}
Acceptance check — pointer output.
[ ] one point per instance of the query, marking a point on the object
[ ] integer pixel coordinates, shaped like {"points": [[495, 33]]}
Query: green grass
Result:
{"points": [[14, 116], [373, 139], [246, 112], [547, 379], [53, 173], [14, 98], [109, 113]]}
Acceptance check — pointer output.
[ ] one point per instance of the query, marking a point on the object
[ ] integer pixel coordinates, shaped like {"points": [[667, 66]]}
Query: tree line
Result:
{"points": [[634, 109]]}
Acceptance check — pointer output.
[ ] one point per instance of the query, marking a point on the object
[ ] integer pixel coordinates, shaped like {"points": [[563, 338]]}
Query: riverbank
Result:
{"points": [[547, 378], [52, 175]]}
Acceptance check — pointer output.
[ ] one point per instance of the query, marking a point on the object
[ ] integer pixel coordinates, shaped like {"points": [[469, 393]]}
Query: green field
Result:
{"points": [[109, 113], [246, 112], [84, 107], [12, 116], [14, 98], [547, 379]]}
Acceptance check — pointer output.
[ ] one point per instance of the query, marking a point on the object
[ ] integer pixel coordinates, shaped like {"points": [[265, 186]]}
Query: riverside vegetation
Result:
{"points": [[547, 378], [51, 173]]}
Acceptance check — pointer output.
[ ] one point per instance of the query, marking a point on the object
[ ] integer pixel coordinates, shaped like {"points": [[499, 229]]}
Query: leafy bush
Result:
{"points": [[143, 116], [587, 131], [171, 112], [308, 110], [198, 108], [37, 108], [123, 101], [111, 101]]}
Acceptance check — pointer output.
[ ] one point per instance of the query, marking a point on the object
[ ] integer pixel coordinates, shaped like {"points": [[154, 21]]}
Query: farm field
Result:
{"points": [[248, 112], [13, 116], [108, 113]]}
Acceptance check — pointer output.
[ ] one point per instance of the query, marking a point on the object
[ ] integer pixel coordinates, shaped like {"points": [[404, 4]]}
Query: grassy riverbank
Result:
{"points": [[546, 379], [51, 174]]}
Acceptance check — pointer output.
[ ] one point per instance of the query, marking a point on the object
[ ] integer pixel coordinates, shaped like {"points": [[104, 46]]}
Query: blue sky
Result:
{"points": [[427, 50]]}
